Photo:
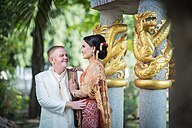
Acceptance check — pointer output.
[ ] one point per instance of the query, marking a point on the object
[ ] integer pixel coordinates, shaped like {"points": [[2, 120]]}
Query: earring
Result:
{"points": [[93, 52]]}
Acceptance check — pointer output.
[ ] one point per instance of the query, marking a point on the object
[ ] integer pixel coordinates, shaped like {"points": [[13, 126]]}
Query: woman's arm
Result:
{"points": [[73, 89], [79, 94], [90, 82]]}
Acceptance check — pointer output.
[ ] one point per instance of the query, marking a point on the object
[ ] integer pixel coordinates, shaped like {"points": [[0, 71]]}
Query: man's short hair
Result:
{"points": [[52, 49]]}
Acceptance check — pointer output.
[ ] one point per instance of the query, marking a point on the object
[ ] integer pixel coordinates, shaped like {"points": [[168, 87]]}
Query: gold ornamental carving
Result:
{"points": [[148, 36], [116, 38]]}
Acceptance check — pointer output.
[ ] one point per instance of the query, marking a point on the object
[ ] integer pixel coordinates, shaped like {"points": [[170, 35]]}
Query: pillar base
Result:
{"points": [[116, 82], [153, 84]]}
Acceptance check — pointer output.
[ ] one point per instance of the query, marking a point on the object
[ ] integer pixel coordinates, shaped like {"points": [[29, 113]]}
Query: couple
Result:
{"points": [[54, 92]]}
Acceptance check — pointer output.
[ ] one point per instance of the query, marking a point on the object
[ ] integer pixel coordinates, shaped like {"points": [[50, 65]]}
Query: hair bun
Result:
{"points": [[102, 54]]}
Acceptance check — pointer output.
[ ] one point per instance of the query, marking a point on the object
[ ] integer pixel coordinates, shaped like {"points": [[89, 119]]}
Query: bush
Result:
{"points": [[11, 101]]}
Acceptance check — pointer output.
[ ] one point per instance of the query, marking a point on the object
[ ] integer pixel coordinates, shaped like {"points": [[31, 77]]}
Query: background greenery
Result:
{"points": [[67, 23]]}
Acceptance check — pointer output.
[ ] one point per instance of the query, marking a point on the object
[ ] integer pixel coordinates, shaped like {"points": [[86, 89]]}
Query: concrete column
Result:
{"points": [[152, 103], [116, 94]]}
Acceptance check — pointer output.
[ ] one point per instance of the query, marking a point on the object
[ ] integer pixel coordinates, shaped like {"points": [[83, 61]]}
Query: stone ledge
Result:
{"points": [[126, 6]]}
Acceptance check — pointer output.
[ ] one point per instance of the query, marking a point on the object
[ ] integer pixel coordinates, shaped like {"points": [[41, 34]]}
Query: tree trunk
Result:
{"points": [[41, 19]]}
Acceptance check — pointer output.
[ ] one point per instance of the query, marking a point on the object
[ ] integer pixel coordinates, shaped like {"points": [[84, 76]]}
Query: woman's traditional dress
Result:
{"points": [[97, 112]]}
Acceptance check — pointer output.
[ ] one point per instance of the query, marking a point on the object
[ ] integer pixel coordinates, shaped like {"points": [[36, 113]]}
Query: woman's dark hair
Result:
{"points": [[96, 40]]}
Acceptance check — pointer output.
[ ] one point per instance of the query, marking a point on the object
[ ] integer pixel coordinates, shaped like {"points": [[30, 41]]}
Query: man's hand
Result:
{"points": [[77, 105], [74, 69]]}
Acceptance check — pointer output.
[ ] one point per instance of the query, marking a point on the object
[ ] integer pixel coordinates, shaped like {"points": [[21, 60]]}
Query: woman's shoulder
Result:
{"points": [[96, 63], [96, 66]]}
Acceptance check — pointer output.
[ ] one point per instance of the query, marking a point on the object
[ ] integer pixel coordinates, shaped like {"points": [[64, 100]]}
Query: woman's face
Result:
{"points": [[87, 51]]}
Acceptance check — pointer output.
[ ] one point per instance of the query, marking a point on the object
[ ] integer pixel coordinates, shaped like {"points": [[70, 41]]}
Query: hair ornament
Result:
{"points": [[105, 44], [101, 47], [97, 54]]}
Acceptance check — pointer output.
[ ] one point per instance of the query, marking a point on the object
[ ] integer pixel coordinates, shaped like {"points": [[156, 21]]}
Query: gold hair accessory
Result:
{"points": [[97, 54], [101, 47]]}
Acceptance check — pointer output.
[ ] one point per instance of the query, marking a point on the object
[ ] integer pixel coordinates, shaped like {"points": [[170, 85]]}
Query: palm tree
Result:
{"points": [[34, 12], [41, 19]]}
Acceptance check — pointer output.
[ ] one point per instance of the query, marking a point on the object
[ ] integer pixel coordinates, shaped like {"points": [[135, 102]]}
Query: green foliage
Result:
{"points": [[63, 4], [68, 27], [131, 92], [129, 20], [131, 102], [6, 56], [18, 24], [17, 20], [23, 16], [69, 22], [6, 50], [11, 101], [13, 46]]}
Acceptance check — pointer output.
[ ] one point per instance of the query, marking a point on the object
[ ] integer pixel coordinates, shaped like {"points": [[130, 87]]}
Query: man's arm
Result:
{"points": [[76, 104], [54, 105]]}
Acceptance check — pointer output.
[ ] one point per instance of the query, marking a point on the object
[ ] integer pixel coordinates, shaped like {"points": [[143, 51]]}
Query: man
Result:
{"points": [[53, 93]]}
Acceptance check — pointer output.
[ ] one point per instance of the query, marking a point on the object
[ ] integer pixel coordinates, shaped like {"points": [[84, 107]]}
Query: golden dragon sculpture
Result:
{"points": [[148, 36], [116, 38]]}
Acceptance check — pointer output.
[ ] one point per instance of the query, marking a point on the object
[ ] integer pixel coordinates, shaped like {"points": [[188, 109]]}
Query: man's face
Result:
{"points": [[59, 58]]}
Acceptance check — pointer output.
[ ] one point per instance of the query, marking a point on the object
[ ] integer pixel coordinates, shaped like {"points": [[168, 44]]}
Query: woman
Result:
{"points": [[93, 85]]}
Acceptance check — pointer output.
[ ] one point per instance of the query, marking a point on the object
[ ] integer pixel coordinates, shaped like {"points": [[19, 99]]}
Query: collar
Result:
{"points": [[61, 76]]}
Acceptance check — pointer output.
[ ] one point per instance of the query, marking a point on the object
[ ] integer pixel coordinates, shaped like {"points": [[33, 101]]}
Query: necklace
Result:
{"points": [[59, 78]]}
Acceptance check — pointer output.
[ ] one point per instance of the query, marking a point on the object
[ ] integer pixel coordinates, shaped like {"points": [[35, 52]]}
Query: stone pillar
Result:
{"points": [[152, 103], [116, 94], [108, 17]]}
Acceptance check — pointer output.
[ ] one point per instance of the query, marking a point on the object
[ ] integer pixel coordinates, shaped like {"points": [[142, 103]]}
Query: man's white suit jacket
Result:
{"points": [[53, 99]]}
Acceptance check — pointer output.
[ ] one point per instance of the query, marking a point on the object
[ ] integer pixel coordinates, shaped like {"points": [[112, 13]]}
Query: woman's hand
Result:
{"points": [[72, 85], [75, 69]]}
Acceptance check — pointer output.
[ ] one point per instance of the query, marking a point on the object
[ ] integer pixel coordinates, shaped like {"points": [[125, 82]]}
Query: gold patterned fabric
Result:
{"points": [[93, 83]]}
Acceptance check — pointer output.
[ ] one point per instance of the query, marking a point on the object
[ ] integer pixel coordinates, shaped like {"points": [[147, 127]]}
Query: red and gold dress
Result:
{"points": [[97, 111]]}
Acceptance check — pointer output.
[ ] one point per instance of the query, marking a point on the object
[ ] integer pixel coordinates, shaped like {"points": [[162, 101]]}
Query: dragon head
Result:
{"points": [[146, 21]]}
